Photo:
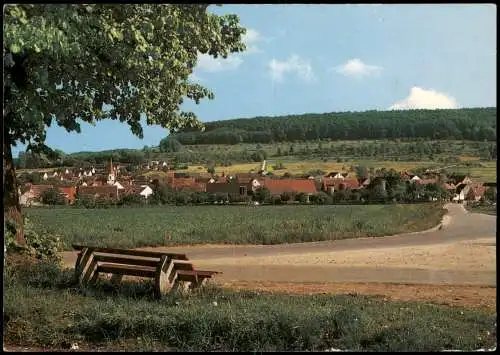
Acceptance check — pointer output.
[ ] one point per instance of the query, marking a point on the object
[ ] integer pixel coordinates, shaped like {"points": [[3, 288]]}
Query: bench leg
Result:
{"points": [[162, 284], [94, 278], [81, 263], [90, 270]]}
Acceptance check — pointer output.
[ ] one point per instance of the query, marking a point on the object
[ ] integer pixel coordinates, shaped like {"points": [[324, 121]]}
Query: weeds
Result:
{"points": [[43, 307]]}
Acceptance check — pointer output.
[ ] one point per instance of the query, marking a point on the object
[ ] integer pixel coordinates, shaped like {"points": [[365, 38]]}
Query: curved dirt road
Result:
{"points": [[462, 252]]}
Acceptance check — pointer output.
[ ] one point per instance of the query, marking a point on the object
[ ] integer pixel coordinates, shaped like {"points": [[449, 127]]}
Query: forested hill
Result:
{"points": [[476, 124]]}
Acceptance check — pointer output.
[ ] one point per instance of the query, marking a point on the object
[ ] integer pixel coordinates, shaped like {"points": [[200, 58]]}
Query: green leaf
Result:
{"points": [[15, 48]]}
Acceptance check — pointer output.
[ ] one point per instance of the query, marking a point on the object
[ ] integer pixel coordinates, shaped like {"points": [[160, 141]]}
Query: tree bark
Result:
{"points": [[12, 208]]}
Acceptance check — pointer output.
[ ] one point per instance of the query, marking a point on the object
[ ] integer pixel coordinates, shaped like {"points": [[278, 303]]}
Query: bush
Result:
{"points": [[262, 194], [286, 196], [321, 198], [39, 242], [131, 200], [301, 197], [52, 197], [276, 200], [490, 194], [182, 198], [199, 197]]}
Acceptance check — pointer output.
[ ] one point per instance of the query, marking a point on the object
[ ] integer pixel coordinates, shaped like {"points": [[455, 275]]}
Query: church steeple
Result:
{"points": [[111, 166], [111, 174]]}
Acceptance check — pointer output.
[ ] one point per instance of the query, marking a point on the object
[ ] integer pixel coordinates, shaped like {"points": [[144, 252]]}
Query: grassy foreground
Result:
{"points": [[136, 227], [42, 307]]}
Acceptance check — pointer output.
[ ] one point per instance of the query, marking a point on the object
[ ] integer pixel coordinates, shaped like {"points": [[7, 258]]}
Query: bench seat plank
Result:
{"points": [[132, 252], [126, 270], [126, 261]]}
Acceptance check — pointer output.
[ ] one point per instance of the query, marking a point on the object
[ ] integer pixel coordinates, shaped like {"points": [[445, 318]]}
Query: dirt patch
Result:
{"points": [[464, 296], [477, 255]]}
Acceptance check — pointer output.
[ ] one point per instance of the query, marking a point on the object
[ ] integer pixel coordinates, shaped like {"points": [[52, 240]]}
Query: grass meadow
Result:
{"points": [[43, 307], [149, 226]]}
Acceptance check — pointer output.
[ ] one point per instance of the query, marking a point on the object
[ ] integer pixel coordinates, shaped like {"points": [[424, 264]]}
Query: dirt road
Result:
{"points": [[461, 252]]}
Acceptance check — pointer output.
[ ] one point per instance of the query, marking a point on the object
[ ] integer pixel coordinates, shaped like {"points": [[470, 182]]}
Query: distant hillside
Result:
{"points": [[476, 124]]}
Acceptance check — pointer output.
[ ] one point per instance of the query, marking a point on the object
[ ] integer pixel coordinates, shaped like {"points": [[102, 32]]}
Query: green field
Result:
{"points": [[147, 226], [486, 209], [43, 307]]}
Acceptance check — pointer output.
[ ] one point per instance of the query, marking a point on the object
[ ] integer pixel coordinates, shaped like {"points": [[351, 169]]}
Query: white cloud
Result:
{"points": [[293, 65], [210, 64], [357, 69], [424, 99], [251, 38]]}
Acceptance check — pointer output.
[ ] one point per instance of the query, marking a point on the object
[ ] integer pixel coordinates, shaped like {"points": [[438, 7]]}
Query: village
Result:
{"points": [[114, 181]]}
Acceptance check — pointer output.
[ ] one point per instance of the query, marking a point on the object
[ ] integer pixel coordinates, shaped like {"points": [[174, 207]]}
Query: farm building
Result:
{"points": [[294, 186], [105, 192]]}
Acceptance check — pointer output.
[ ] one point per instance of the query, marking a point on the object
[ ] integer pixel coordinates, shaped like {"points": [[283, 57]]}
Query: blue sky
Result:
{"points": [[330, 58]]}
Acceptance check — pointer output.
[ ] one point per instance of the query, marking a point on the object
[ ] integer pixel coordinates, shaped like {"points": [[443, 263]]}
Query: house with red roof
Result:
{"points": [[330, 185], [69, 193], [293, 186], [107, 192], [31, 196]]}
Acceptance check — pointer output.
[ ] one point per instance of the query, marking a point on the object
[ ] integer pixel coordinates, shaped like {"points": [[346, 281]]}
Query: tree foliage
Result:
{"points": [[170, 145], [52, 197], [73, 63], [65, 61]]}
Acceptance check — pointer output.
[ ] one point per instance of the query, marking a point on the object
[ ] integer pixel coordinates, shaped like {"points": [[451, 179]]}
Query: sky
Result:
{"points": [[332, 58]]}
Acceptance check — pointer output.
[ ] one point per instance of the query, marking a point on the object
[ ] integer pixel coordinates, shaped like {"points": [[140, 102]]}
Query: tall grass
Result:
{"points": [[42, 307], [136, 227]]}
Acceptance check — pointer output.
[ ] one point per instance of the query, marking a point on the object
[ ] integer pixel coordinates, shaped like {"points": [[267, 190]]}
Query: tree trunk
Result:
{"points": [[12, 208]]}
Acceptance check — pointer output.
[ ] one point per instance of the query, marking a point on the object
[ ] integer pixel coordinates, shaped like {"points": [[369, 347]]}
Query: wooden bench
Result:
{"points": [[168, 270], [185, 274]]}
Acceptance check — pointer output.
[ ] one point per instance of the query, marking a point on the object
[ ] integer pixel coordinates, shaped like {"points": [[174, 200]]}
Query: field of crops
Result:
{"points": [[302, 167], [480, 172], [180, 225]]}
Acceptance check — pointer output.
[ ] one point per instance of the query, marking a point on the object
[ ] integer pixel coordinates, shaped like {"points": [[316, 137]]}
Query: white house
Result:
{"points": [[118, 185], [415, 178], [55, 173], [67, 171], [45, 176], [255, 184], [146, 192]]}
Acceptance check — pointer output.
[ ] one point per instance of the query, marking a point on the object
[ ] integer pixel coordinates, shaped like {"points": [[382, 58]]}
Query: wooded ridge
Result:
{"points": [[477, 124]]}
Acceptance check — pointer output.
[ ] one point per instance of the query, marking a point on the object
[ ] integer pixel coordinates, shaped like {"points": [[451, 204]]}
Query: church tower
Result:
{"points": [[111, 173]]}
